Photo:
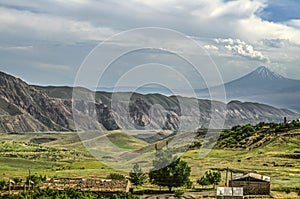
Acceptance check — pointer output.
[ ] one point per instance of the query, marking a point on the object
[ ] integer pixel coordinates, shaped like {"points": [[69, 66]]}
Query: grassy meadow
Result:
{"points": [[64, 155]]}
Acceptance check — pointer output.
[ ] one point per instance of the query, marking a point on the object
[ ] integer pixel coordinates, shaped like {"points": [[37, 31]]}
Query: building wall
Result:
{"points": [[252, 188], [97, 185], [229, 197]]}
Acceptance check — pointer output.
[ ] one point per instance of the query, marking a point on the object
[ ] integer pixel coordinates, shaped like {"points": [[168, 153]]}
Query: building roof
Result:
{"points": [[254, 176]]}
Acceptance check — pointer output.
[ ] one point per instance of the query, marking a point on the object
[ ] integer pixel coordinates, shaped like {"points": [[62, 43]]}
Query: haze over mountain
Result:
{"points": [[263, 86], [25, 108]]}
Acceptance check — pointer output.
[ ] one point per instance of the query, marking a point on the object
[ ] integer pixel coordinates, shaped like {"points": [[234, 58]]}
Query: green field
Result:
{"points": [[64, 155]]}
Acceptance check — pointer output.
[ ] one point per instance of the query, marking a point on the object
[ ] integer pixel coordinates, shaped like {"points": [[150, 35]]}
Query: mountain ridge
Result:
{"points": [[26, 108]]}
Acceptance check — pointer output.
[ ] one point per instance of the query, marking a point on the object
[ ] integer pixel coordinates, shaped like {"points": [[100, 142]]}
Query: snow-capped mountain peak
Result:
{"points": [[263, 72]]}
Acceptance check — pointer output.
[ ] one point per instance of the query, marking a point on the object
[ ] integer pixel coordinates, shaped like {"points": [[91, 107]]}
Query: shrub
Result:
{"points": [[210, 177], [203, 181], [169, 170], [137, 176], [115, 176], [287, 190], [3, 183], [178, 193]]}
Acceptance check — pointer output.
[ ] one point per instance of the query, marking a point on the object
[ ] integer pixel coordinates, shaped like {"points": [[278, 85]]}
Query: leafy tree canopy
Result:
{"points": [[169, 170], [137, 177]]}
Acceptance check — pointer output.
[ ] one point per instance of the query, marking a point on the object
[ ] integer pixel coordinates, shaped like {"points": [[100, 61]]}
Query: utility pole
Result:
{"points": [[29, 178], [231, 185], [226, 178], [9, 192]]}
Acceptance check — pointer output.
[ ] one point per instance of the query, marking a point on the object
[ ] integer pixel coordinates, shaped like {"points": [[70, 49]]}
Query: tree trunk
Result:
{"points": [[170, 188]]}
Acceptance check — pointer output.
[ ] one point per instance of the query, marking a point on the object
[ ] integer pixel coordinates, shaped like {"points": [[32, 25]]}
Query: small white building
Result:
{"points": [[230, 192]]}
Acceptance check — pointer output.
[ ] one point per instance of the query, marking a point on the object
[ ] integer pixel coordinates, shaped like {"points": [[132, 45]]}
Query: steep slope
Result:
{"points": [[21, 123], [155, 111], [240, 113], [30, 108], [26, 108], [33, 108], [251, 137]]}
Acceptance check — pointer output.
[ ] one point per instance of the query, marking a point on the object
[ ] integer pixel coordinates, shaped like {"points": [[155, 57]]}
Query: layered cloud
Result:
{"points": [[92, 19], [61, 33]]}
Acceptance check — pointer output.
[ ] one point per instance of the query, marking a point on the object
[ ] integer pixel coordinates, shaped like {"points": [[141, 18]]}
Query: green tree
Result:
{"points": [[137, 177], [35, 179], [287, 190], [213, 177], [169, 171], [203, 181], [115, 176], [3, 183], [17, 180], [178, 194]]}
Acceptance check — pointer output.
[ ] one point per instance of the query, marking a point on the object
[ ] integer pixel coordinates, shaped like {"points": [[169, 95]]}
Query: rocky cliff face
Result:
{"points": [[26, 108], [170, 114], [51, 113]]}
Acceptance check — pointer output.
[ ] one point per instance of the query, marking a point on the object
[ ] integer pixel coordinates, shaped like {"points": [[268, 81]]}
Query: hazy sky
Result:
{"points": [[45, 42]]}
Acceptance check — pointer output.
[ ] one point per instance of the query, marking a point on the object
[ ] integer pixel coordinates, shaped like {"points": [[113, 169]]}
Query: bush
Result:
{"points": [[125, 196], [68, 194], [189, 184], [210, 177], [178, 193], [203, 181], [36, 179], [3, 184], [17, 180], [287, 190], [116, 176], [137, 176]]}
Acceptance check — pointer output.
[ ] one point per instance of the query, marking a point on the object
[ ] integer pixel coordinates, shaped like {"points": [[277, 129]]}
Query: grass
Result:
{"points": [[125, 141], [66, 156], [18, 167], [264, 160]]}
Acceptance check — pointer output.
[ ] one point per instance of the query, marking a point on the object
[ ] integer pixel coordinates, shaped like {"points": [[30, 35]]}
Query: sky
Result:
{"points": [[50, 42]]}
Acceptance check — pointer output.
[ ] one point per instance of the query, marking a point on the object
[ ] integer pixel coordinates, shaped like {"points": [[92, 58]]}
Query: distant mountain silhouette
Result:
{"points": [[263, 86]]}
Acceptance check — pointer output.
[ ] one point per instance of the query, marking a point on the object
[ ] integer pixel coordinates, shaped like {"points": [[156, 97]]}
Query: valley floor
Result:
{"points": [[64, 155]]}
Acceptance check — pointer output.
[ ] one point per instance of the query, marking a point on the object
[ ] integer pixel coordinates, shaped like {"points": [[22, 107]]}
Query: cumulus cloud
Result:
{"points": [[93, 19], [211, 47], [53, 23], [241, 48]]}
